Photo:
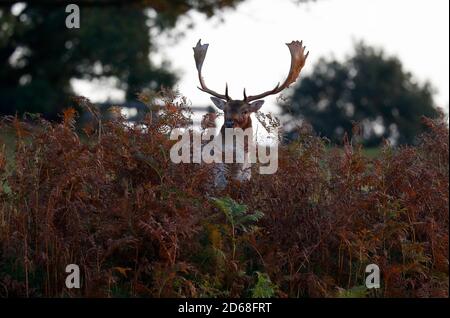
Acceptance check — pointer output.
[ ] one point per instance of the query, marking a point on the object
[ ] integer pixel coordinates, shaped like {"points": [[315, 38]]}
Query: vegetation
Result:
{"points": [[139, 226], [40, 56], [369, 88], [117, 42]]}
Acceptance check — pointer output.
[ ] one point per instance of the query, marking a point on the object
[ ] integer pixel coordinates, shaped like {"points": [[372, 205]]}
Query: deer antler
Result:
{"points": [[298, 59], [199, 56]]}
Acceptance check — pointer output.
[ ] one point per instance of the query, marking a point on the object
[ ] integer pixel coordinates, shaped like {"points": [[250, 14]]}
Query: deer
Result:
{"points": [[237, 113]]}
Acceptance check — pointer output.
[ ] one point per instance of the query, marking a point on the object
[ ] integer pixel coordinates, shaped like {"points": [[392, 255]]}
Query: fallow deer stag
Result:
{"points": [[237, 112]]}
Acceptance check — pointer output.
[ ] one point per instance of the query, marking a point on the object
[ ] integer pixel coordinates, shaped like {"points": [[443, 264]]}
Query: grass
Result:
{"points": [[8, 138], [372, 152]]}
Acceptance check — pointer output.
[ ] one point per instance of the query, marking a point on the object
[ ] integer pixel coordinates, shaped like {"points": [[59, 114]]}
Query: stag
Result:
{"points": [[237, 112]]}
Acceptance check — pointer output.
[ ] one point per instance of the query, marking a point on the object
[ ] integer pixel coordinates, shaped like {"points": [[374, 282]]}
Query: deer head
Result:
{"points": [[237, 112]]}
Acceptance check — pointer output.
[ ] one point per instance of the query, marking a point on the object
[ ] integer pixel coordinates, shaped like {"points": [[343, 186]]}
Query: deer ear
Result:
{"points": [[220, 103], [255, 106]]}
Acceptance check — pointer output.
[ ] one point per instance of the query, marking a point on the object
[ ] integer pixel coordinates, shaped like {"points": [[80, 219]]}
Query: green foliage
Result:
{"points": [[237, 214], [354, 292], [368, 88], [40, 56], [238, 218], [49, 55], [263, 287]]}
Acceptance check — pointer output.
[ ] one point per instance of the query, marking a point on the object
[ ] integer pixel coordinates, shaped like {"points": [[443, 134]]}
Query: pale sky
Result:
{"points": [[248, 48]]}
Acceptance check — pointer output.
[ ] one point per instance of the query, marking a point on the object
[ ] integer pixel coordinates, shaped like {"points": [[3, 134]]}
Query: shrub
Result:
{"points": [[108, 198]]}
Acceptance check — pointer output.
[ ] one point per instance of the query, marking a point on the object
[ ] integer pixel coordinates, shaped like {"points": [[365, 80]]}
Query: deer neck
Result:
{"points": [[247, 125]]}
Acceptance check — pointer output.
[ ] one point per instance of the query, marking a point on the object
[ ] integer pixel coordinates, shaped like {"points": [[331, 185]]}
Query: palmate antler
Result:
{"points": [[199, 56], [298, 59]]}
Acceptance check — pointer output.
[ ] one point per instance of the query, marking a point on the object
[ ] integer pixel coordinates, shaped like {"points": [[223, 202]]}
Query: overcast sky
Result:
{"points": [[247, 49]]}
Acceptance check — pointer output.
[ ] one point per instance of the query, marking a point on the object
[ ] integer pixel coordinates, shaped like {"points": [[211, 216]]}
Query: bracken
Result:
{"points": [[109, 199]]}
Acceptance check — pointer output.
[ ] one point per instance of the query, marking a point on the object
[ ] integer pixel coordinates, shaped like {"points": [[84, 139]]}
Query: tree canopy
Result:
{"points": [[369, 88], [39, 55]]}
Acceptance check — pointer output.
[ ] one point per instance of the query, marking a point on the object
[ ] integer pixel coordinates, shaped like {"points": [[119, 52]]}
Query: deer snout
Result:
{"points": [[229, 123]]}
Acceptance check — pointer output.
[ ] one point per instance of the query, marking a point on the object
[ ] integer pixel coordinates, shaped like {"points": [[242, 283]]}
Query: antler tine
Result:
{"points": [[298, 59], [226, 92], [199, 56]]}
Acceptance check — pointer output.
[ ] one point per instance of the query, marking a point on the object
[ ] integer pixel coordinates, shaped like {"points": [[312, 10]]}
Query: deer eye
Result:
{"points": [[245, 112]]}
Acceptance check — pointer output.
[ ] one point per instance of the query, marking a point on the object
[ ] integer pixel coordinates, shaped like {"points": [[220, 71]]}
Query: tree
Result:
{"points": [[40, 56], [368, 88]]}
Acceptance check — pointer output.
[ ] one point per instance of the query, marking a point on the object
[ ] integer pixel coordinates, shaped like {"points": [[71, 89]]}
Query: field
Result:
{"points": [[109, 199]]}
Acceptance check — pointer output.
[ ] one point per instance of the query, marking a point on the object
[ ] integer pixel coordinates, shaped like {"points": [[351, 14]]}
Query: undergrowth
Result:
{"points": [[108, 199]]}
